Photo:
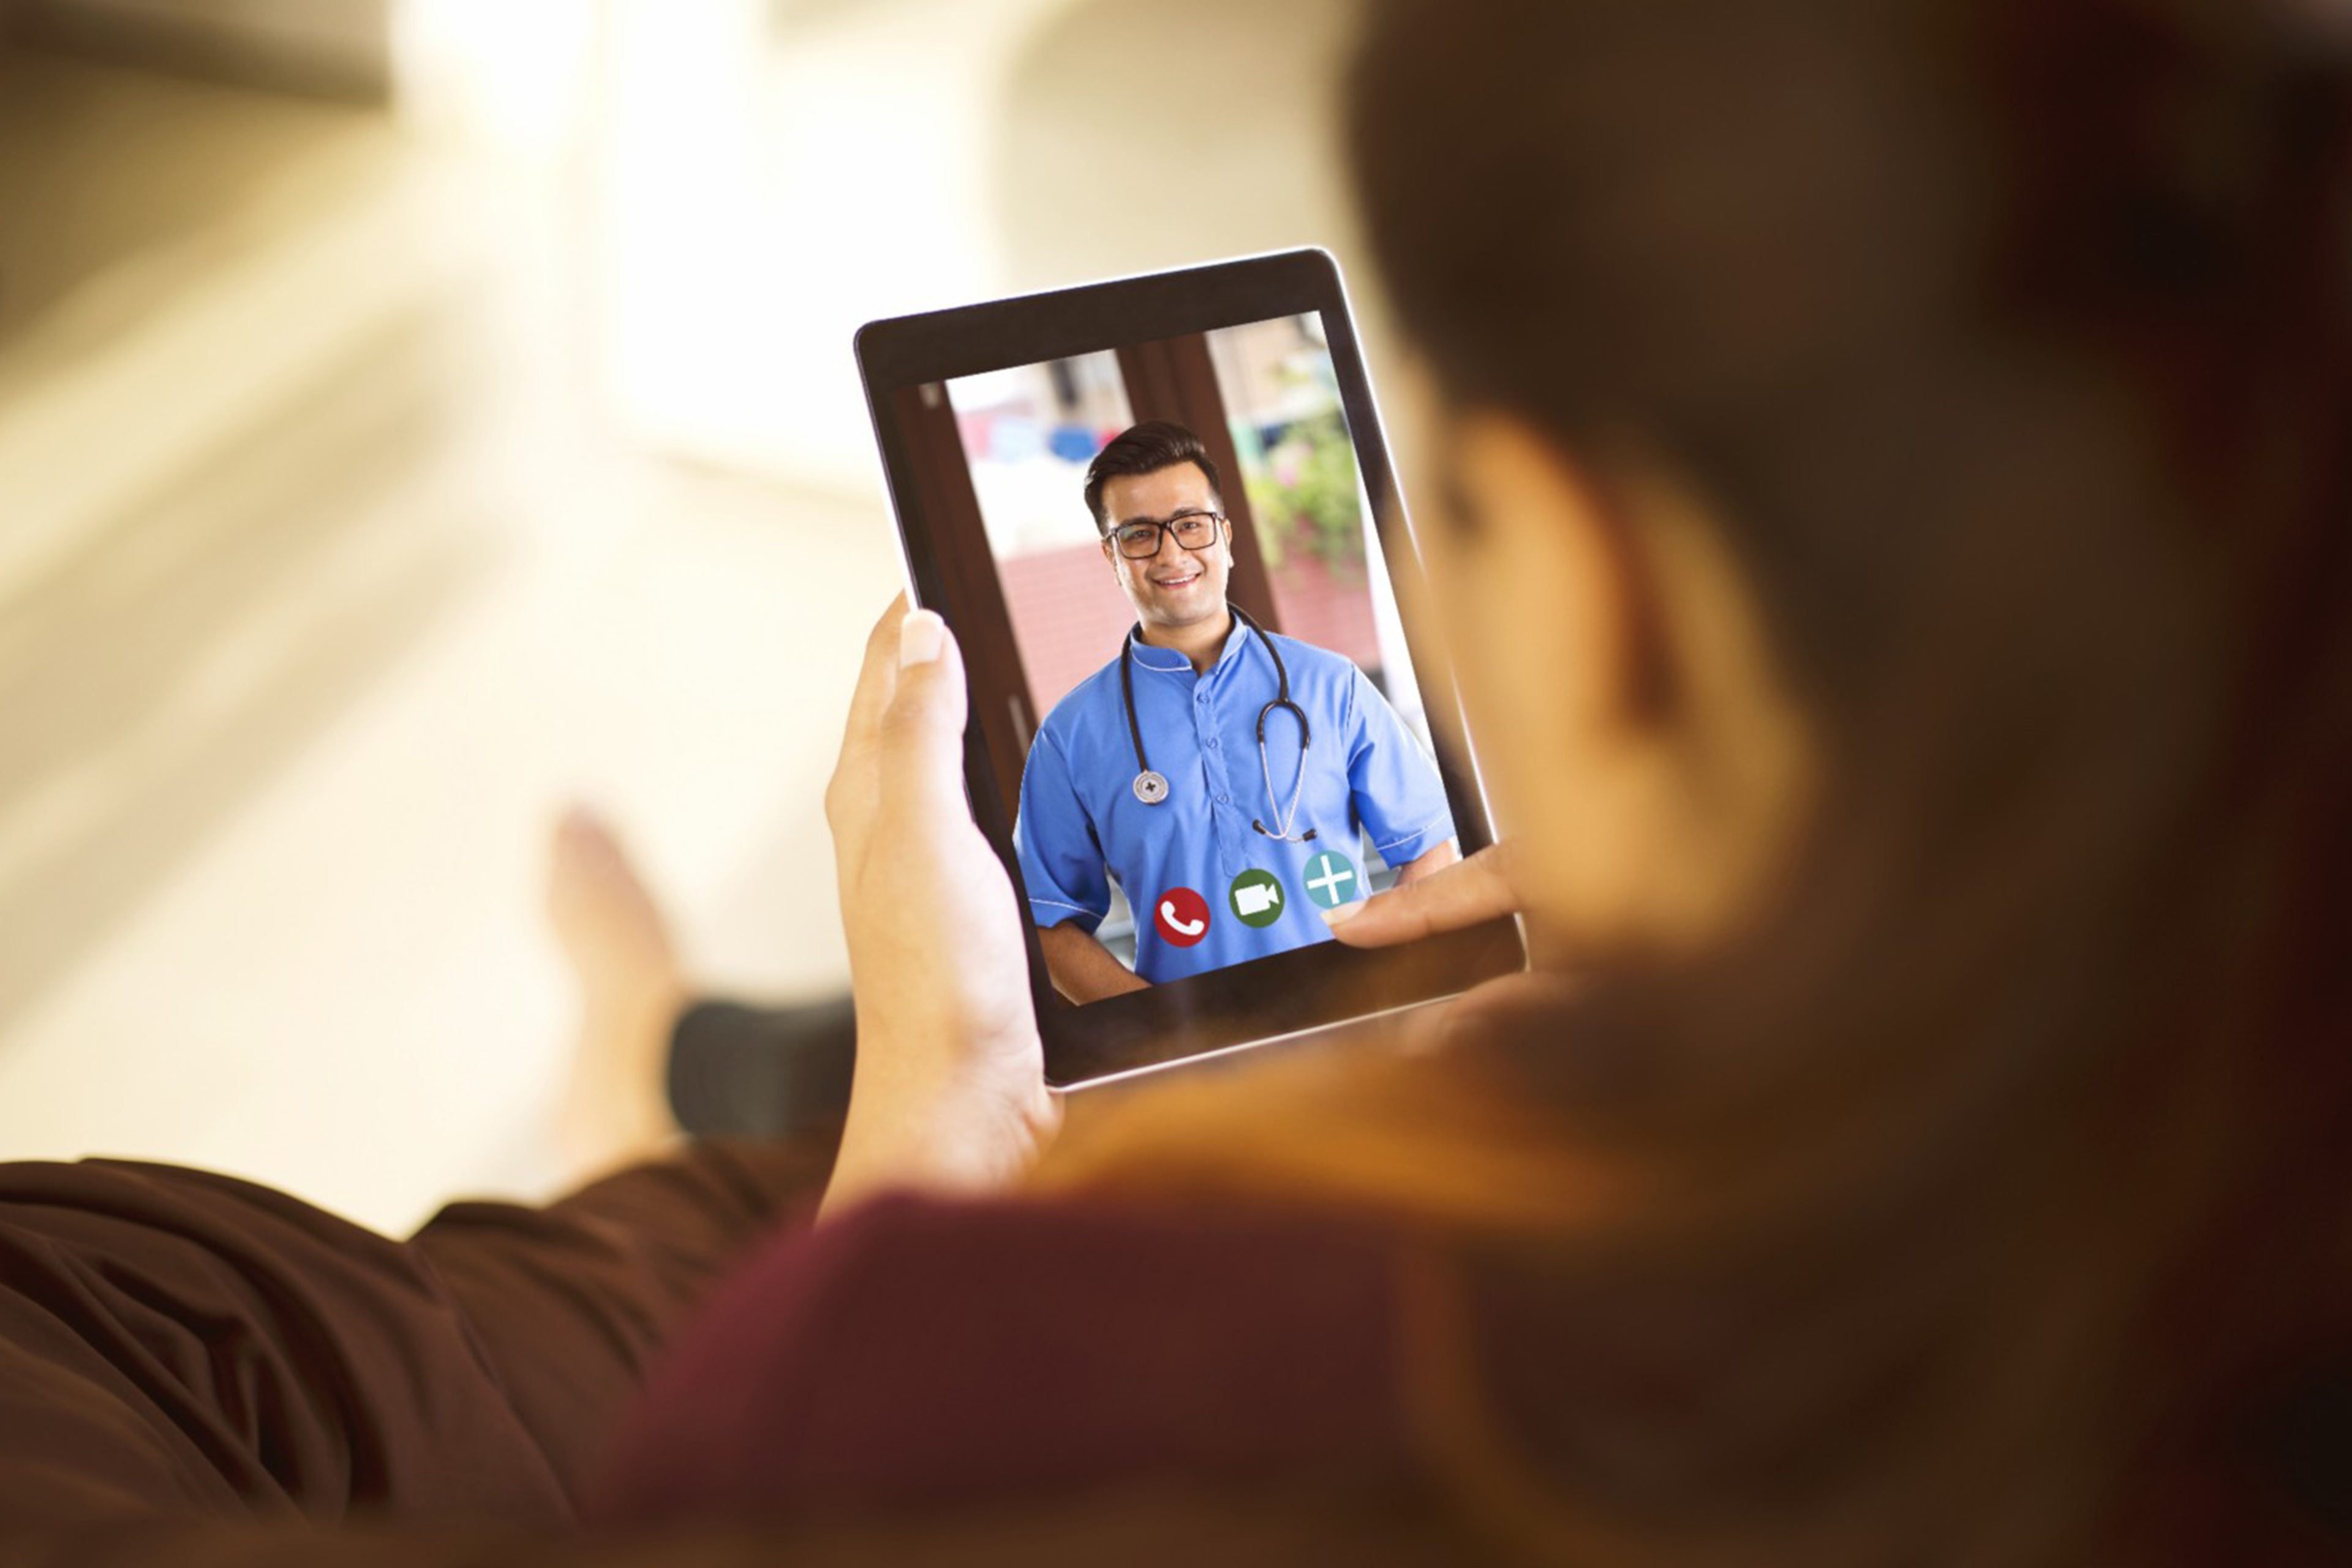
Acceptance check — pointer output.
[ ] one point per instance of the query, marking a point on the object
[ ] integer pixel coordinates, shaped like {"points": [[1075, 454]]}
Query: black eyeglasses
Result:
{"points": [[1139, 539]]}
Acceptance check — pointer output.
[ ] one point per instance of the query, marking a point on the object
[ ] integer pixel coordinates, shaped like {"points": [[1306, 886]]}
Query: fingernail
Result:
{"points": [[919, 637], [1344, 912]]}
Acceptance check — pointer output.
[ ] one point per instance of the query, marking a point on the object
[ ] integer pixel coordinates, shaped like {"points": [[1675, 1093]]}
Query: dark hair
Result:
{"points": [[1997, 1185], [1146, 449]]}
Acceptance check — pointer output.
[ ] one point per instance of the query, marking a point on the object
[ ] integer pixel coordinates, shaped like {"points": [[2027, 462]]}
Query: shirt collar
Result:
{"points": [[1168, 661]]}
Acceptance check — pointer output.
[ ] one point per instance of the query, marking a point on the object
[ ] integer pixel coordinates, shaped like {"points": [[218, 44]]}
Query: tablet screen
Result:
{"points": [[1199, 728]]}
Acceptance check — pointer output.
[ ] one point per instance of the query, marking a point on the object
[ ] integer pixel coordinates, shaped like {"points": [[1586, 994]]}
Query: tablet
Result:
{"points": [[1159, 514]]}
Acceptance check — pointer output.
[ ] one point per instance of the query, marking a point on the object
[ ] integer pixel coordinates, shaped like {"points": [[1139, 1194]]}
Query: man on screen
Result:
{"points": [[1221, 774]]}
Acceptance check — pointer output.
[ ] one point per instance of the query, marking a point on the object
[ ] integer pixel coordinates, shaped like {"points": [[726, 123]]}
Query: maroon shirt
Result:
{"points": [[924, 1354], [201, 1373]]}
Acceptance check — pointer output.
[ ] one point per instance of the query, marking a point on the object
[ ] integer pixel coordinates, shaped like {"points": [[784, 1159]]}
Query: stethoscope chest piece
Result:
{"points": [[1152, 786]]}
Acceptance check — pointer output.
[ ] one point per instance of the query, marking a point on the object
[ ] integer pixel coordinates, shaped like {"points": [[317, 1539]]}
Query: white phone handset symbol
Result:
{"points": [[1177, 923]]}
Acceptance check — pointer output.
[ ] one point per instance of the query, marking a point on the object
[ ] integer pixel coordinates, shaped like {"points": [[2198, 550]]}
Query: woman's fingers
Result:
{"points": [[1497, 1007], [950, 1087], [849, 798], [1463, 894], [919, 739]]}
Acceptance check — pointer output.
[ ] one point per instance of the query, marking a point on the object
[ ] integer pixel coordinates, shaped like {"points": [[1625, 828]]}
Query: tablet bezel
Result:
{"points": [[1284, 994]]}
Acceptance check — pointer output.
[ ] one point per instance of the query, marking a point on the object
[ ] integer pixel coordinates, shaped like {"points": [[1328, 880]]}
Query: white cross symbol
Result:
{"points": [[1334, 874]]}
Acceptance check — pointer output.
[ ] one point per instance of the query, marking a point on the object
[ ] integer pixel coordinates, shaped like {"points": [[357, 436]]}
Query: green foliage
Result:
{"points": [[1304, 494]]}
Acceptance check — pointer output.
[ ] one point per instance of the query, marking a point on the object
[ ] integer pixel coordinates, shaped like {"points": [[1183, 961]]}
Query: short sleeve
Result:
{"points": [[1061, 859], [1392, 783]]}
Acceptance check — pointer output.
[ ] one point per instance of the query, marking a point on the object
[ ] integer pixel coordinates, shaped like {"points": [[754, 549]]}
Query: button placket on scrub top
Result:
{"points": [[1215, 765], [1205, 720]]}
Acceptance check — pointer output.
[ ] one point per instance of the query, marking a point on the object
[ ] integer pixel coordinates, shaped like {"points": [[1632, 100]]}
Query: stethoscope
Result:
{"points": [[1152, 788]]}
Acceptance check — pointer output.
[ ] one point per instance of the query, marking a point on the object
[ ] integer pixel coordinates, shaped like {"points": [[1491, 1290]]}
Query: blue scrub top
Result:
{"points": [[1080, 825]]}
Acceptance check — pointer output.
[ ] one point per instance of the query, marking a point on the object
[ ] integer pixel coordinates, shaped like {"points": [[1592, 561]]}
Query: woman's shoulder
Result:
{"points": [[928, 1352]]}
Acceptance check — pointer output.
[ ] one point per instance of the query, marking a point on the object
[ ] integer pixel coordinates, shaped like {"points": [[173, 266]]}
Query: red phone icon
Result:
{"points": [[1181, 917]]}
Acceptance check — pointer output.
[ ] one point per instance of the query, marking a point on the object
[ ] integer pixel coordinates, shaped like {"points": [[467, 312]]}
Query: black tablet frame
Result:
{"points": [[1287, 993]]}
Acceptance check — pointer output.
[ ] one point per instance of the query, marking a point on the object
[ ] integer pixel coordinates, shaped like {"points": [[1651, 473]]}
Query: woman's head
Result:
{"points": [[1896, 529], [1884, 414], [1893, 466]]}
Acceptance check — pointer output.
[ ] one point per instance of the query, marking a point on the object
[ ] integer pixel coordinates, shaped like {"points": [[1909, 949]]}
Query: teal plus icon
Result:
{"points": [[1256, 898], [1332, 881]]}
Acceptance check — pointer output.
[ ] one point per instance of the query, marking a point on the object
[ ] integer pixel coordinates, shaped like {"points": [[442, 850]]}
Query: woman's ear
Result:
{"points": [[1618, 678], [1551, 569]]}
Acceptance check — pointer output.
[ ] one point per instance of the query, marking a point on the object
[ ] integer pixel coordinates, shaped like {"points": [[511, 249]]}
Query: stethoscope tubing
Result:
{"points": [[1152, 788]]}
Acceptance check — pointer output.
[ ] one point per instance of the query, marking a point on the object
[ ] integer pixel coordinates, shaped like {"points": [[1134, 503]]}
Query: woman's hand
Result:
{"points": [[1463, 894], [949, 1088], [1448, 899]]}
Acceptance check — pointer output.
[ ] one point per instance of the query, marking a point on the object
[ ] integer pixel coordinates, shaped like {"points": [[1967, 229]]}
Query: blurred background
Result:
{"points": [[417, 414]]}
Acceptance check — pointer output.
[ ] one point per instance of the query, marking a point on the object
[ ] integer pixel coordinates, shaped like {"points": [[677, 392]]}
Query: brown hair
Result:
{"points": [[1146, 449], [1989, 1200]]}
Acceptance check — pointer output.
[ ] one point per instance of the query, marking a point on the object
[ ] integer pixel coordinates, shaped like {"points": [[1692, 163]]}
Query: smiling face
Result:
{"points": [[1177, 587]]}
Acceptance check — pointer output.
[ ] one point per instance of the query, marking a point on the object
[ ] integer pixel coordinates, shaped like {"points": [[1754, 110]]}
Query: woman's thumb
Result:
{"points": [[1463, 894]]}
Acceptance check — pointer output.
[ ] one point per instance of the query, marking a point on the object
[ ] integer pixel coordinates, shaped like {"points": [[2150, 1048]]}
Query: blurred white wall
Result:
{"points": [[771, 177], [378, 479]]}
